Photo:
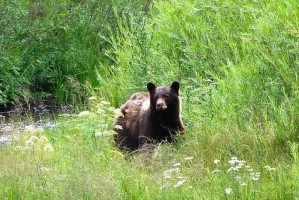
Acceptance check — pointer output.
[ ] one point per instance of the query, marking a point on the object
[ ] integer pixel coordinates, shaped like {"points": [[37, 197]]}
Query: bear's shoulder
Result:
{"points": [[135, 102]]}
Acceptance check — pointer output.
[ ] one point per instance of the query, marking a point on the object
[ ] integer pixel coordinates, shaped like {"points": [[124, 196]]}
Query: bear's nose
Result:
{"points": [[161, 106]]}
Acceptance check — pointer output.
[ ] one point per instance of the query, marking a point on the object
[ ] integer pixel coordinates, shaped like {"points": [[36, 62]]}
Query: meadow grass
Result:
{"points": [[237, 62], [77, 159]]}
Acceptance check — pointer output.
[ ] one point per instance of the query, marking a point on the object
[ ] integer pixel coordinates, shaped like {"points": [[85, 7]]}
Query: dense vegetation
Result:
{"points": [[52, 49], [237, 62]]}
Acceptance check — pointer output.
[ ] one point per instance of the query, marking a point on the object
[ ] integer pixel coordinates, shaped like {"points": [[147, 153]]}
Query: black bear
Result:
{"points": [[151, 117]]}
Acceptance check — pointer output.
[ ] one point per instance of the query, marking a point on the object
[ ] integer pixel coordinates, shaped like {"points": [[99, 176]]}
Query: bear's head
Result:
{"points": [[164, 98]]}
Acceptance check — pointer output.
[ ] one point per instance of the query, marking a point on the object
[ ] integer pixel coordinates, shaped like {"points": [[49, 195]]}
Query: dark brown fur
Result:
{"points": [[150, 117]]}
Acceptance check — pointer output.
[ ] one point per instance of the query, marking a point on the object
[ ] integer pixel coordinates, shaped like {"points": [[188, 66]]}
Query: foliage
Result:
{"points": [[54, 47]]}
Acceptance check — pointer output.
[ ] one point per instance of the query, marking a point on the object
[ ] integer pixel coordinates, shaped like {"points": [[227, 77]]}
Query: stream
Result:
{"points": [[13, 123], [14, 126]]}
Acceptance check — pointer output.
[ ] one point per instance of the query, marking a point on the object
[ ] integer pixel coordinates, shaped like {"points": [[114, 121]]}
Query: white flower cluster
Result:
{"points": [[117, 113], [35, 140], [236, 164], [33, 129], [84, 113], [42, 142], [173, 174], [241, 172], [267, 167]]}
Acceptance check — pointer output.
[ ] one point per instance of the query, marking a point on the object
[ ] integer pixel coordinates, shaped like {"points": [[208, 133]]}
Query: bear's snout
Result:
{"points": [[161, 105]]}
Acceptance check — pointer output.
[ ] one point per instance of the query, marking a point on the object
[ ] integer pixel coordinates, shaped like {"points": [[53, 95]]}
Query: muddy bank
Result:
{"points": [[35, 109]]}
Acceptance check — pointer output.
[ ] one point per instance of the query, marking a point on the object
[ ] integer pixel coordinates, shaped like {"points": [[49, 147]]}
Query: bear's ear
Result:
{"points": [[176, 86], [151, 87]]}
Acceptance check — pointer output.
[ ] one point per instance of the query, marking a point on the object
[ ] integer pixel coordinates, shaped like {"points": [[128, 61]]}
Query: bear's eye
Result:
{"points": [[165, 96], [155, 96]]}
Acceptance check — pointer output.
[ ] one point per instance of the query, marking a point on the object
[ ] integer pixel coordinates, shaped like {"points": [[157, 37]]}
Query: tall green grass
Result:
{"points": [[78, 160], [52, 48], [237, 61]]}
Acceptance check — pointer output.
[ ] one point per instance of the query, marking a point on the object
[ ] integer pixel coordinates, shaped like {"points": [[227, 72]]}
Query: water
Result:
{"points": [[14, 121], [12, 126]]}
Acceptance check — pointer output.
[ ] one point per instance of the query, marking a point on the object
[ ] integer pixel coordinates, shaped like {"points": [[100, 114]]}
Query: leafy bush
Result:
{"points": [[54, 47]]}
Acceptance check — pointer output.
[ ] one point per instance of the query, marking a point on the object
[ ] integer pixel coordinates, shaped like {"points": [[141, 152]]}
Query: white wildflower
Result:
{"points": [[236, 168], [92, 98], [111, 109], [32, 140], [216, 171], [243, 184], [102, 133], [167, 176], [45, 169], [228, 191], [267, 167], [230, 169], [257, 174], [233, 169], [239, 166], [39, 130], [234, 158], [242, 162], [48, 147], [84, 113], [105, 102], [180, 183], [32, 129], [177, 164], [29, 129], [189, 158], [29, 143], [169, 172], [251, 174], [43, 139], [172, 170], [19, 148], [117, 113], [255, 178], [118, 127], [98, 133], [100, 111], [238, 177], [163, 186], [216, 161], [232, 162]]}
